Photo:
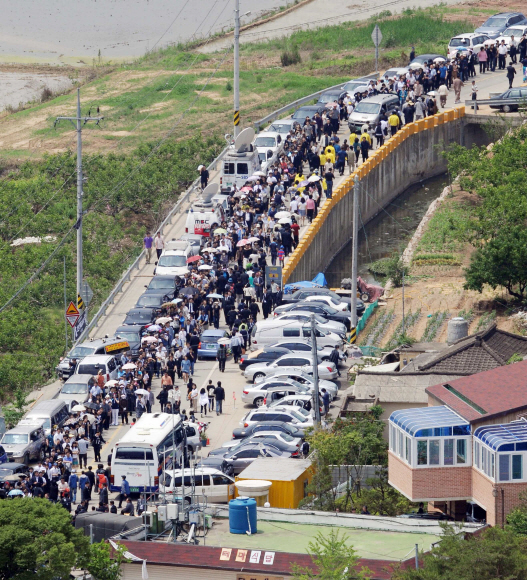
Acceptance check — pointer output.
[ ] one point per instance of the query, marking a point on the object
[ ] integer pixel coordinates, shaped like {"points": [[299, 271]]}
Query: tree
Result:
{"points": [[38, 540], [494, 555], [517, 518], [333, 557], [381, 498], [15, 411], [102, 564]]}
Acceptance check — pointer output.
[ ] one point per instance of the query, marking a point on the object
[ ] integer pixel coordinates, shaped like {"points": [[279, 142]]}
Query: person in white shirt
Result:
{"points": [[159, 244]]}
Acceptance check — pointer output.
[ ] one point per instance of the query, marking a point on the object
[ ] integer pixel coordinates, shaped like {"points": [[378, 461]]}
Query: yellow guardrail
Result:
{"points": [[346, 186]]}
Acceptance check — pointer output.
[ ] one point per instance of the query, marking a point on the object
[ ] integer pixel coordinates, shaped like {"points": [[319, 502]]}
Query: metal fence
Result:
{"points": [[135, 265]]}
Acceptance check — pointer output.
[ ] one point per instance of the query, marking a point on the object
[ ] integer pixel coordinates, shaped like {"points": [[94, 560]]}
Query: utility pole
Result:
{"points": [[236, 68], [315, 369], [78, 122], [65, 306], [354, 252], [403, 328]]}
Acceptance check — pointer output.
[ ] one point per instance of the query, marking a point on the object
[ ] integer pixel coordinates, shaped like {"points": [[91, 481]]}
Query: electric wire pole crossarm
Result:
{"points": [[78, 122]]}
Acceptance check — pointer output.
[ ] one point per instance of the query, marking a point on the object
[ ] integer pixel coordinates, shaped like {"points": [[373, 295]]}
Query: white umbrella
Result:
{"points": [[284, 221], [224, 341], [440, 59], [111, 383], [205, 267], [415, 66], [253, 239], [177, 300], [259, 173], [212, 250], [313, 178], [141, 392], [129, 366], [78, 408], [91, 418], [148, 339], [154, 328], [253, 178], [282, 214], [163, 320], [200, 167]]}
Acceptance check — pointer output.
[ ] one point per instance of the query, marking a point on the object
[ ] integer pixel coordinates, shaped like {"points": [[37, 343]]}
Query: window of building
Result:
{"points": [[492, 456], [392, 438], [408, 449], [401, 436], [461, 451], [422, 453], [448, 452], [433, 452], [504, 467], [476, 454], [517, 471]]}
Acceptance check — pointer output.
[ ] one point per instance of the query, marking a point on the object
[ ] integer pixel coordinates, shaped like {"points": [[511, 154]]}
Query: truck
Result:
{"points": [[240, 162]]}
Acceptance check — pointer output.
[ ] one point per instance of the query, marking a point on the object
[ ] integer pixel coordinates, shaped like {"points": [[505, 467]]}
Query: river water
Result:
{"points": [[388, 232], [68, 31]]}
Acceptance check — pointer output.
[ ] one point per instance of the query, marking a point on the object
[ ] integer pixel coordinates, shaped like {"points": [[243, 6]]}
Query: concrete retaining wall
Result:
{"points": [[413, 154]]}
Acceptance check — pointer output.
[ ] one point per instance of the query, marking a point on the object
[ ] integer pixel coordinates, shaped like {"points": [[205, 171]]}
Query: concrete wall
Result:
{"points": [[413, 154]]}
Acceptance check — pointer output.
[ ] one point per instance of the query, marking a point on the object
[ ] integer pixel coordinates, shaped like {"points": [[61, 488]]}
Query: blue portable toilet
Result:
{"points": [[242, 515]]}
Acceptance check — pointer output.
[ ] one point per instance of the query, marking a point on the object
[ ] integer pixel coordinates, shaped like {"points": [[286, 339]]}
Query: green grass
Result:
{"points": [[436, 259], [444, 230]]}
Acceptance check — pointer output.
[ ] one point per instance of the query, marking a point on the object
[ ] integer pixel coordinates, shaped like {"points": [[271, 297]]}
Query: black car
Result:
{"points": [[166, 284], [308, 111], [282, 445], [141, 316], [266, 354], [242, 432], [217, 463], [510, 100], [331, 96], [132, 333], [9, 469], [153, 299], [320, 308]]}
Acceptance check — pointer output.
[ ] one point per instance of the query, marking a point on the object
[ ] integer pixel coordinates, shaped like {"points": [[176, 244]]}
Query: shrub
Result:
{"points": [[289, 57]]}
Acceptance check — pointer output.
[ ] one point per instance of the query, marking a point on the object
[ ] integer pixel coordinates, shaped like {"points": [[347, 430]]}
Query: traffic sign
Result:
{"points": [[86, 293], [72, 314], [82, 322], [376, 36]]}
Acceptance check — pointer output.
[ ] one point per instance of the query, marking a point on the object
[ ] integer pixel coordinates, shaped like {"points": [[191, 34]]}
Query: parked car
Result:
{"points": [[255, 394], [237, 445], [212, 483], [140, 316], [91, 365], [509, 101], [265, 354], [208, 346], [153, 299], [352, 85], [302, 377], [10, 469], [320, 308], [463, 42], [331, 96], [282, 126], [173, 262], [196, 241], [498, 23], [268, 425], [421, 59], [242, 458], [290, 363], [271, 330], [517, 31], [307, 111], [304, 346], [268, 144], [322, 322], [47, 413], [302, 294], [395, 72], [282, 436], [132, 334], [286, 415], [167, 284], [24, 443], [76, 389], [303, 401]]}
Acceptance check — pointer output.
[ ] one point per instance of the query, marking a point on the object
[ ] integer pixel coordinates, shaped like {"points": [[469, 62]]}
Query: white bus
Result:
{"points": [[144, 450]]}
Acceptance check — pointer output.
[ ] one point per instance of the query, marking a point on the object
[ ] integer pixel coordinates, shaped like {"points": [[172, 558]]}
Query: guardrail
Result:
{"points": [[299, 102], [346, 186], [135, 265]]}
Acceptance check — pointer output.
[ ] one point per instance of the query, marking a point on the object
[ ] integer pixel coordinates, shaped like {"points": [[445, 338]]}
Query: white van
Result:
{"points": [[268, 332], [172, 263], [203, 217], [212, 483], [91, 365], [51, 412]]}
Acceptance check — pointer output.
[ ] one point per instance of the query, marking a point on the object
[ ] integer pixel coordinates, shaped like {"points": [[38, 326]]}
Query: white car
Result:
{"points": [[289, 363], [395, 73], [289, 415], [268, 144], [255, 394], [517, 31], [172, 263], [341, 306], [304, 347], [305, 402], [306, 379], [322, 323], [462, 42], [278, 435]]}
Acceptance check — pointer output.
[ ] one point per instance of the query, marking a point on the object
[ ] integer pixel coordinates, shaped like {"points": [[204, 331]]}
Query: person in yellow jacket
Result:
{"points": [[367, 136], [298, 179], [394, 121], [330, 154], [323, 159], [352, 138]]}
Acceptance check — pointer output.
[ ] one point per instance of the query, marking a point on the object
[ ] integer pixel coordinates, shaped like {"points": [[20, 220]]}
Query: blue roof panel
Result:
{"points": [[496, 436], [428, 418]]}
